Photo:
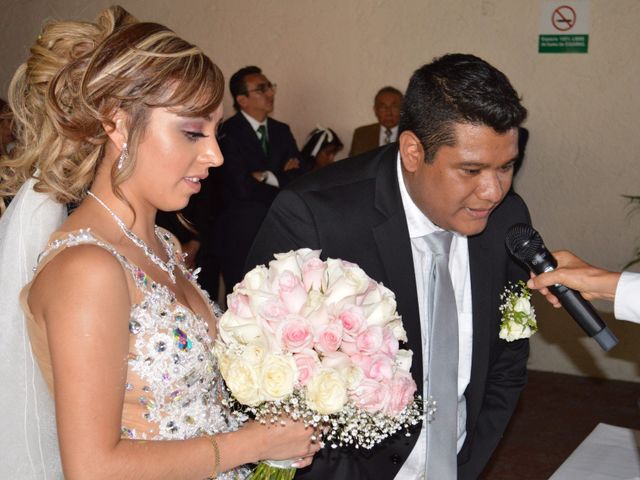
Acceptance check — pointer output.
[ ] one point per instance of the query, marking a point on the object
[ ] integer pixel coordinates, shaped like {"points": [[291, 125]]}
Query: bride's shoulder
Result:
{"points": [[85, 279], [78, 259]]}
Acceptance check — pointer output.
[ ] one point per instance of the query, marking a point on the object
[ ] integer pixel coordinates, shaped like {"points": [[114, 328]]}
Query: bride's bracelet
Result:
{"points": [[216, 465]]}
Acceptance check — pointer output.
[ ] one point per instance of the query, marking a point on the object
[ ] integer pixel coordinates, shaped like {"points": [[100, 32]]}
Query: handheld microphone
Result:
{"points": [[525, 244]]}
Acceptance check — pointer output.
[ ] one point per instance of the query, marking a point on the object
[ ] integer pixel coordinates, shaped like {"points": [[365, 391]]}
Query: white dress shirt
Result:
{"points": [[419, 225], [392, 138], [627, 300], [255, 124]]}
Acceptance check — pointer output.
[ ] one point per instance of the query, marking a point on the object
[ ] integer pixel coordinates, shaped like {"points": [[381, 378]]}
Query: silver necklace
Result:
{"points": [[167, 266]]}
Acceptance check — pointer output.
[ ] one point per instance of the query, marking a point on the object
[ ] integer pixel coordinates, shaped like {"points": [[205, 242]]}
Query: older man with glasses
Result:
{"points": [[260, 157]]}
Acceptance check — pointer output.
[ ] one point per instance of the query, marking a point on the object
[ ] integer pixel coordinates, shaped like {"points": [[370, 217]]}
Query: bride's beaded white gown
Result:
{"points": [[173, 388]]}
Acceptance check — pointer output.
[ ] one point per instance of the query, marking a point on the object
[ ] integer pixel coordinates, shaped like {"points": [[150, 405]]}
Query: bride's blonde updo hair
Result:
{"points": [[77, 76]]}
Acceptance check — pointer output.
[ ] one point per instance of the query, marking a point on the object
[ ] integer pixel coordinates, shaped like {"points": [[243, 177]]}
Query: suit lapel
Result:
{"points": [[394, 248], [274, 156], [252, 141], [482, 292]]}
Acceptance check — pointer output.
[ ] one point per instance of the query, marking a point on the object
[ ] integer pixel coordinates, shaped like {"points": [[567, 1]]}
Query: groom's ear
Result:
{"points": [[411, 151]]}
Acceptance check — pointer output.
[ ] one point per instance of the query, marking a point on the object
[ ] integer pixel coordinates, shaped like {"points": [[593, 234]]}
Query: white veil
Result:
{"points": [[28, 439]]}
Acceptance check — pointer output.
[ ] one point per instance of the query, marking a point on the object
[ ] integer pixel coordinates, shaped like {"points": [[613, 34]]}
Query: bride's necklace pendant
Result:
{"points": [[167, 266]]}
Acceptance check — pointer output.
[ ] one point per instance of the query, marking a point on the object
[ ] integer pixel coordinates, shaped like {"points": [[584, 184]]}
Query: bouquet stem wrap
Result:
{"points": [[274, 470]]}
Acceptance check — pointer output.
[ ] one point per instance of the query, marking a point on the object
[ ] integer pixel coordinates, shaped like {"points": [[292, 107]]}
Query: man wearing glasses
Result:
{"points": [[386, 106], [260, 157]]}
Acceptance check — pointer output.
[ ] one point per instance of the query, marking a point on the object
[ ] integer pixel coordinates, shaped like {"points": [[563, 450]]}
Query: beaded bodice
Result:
{"points": [[173, 389]]}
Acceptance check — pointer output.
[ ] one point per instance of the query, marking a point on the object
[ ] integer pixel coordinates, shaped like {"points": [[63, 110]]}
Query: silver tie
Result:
{"points": [[387, 135], [442, 430]]}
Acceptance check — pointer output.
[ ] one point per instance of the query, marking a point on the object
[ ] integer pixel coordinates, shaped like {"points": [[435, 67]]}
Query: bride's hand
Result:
{"points": [[285, 440]]}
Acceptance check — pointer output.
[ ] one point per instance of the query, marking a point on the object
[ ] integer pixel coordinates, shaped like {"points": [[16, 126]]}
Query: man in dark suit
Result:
{"points": [[260, 157], [386, 106], [451, 171]]}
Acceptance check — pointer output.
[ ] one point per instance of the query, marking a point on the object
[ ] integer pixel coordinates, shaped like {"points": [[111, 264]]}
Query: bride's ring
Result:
{"points": [[313, 438]]}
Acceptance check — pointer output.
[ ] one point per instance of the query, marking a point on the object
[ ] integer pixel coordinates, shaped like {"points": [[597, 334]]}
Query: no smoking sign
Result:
{"points": [[563, 18], [564, 26]]}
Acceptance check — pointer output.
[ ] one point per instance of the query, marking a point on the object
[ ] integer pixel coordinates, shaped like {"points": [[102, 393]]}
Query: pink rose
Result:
{"points": [[329, 338], [239, 304], [336, 360], [348, 346], [402, 390], [390, 343], [370, 341], [274, 312], [292, 292], [308, 363], [380, 368], [371, 395], [362, 361], [353, 321], [312, 273], [295, 335], [373, 285]]}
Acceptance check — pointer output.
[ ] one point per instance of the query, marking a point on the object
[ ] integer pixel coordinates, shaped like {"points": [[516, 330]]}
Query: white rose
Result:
{"points": [[257, 279], [514, 331], [398, 330], [523, 305], [382, 312], [233, 328], [315, 299], [224, 360], [286, 261], [279, 373], [258, 299], [352, 375], [326, 392], [306, 254], [255, 352], [335, 270], [242, 380], [404, 359], [353, 281]]}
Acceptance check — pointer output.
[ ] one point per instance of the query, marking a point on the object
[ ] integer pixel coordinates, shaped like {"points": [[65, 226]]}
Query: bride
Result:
{"points": [[120, 117]]}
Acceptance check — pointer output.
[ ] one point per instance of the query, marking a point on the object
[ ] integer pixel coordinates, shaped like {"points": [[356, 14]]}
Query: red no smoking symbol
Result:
{"points": [[563, 18]]}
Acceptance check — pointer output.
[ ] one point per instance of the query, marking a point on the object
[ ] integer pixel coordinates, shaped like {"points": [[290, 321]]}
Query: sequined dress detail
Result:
{"points": [[174, 389]]}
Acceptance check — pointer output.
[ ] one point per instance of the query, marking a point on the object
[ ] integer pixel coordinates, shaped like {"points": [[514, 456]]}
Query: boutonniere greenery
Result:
{"points": [[518, 315]]}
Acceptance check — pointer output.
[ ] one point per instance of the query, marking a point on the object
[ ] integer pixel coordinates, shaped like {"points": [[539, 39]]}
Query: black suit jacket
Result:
{"points": [[353, 210], [242, 155], [246, 200]]}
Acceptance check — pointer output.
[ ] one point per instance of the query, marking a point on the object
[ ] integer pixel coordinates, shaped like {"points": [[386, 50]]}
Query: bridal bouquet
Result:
{"points": [[317, 341]]}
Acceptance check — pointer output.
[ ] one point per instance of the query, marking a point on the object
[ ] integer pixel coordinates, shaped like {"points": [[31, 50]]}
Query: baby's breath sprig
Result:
{"points": [[351, 426]]}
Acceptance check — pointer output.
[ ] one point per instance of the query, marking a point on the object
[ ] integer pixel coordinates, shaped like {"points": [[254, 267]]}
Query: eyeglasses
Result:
{"points": [[264, 87]]}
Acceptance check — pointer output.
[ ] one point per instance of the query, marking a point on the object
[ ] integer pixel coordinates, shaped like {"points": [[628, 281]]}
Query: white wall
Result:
{"points": [[330, 57]]}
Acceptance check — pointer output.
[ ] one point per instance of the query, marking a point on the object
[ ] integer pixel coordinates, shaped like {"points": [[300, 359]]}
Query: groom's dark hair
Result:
{"points": [[457, 88]]}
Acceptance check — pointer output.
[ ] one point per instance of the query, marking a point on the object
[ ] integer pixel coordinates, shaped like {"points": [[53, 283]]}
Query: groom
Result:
{"points": [[450, 171]]}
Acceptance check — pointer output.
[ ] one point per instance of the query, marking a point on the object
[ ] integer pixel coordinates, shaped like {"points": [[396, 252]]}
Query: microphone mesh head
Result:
{"points": [[523, 242]]}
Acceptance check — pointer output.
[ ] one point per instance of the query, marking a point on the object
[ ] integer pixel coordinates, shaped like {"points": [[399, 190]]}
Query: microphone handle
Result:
{"points": [[585, 315]]}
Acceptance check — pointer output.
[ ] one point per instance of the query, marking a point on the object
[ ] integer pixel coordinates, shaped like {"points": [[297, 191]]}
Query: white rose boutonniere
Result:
{"points": [[518, 315]]}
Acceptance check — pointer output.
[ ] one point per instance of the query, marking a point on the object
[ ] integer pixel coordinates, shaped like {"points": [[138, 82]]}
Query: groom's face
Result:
{"points": [[465, 182]]}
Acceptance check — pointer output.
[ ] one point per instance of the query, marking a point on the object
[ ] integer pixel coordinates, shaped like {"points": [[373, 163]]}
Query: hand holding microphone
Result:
{"points": [[525, 244]]}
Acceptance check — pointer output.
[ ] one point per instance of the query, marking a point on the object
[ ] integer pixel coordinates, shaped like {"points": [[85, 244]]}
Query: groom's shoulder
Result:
{"points": [[512, 205], [512, 210], [345, 174]]}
